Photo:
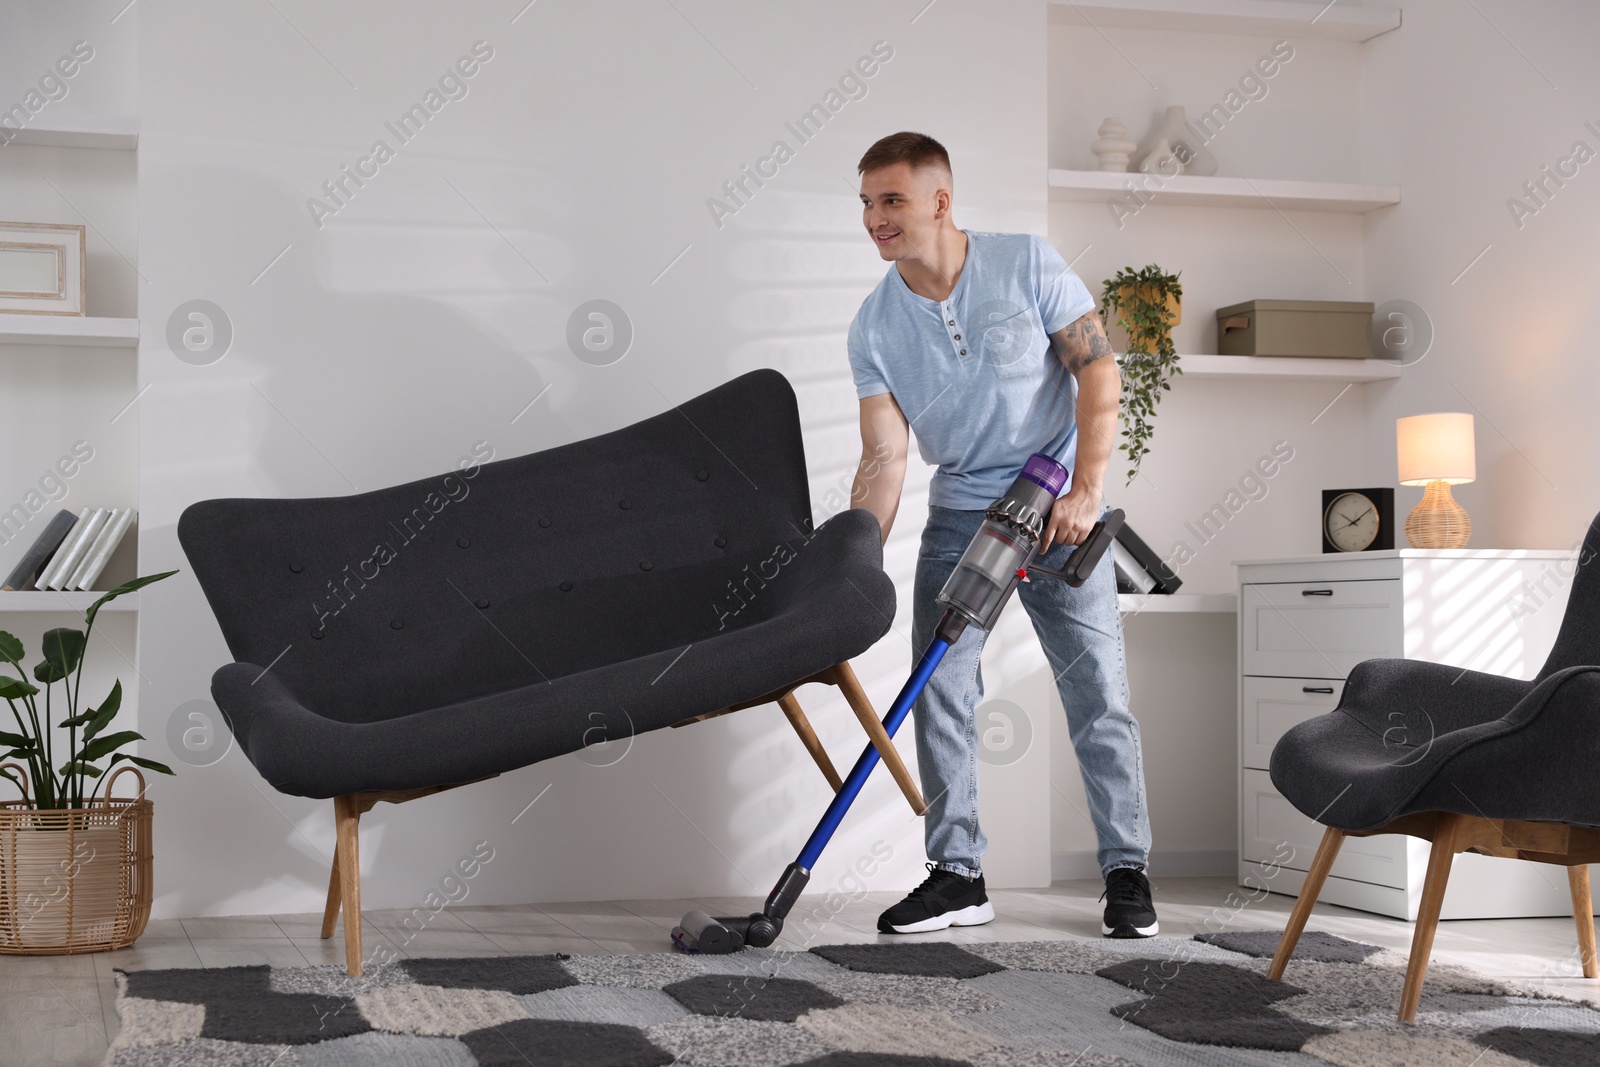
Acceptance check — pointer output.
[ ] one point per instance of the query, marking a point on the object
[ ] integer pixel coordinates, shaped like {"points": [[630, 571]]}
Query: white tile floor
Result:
{"points": [[60, 1009]]}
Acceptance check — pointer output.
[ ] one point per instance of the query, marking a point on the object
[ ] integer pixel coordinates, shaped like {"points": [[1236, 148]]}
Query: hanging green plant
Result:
{"points": [[1148, 303]]}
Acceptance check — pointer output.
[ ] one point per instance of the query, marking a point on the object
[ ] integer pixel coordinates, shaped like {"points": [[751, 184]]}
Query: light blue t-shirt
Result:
{"points": [[974, 374]]}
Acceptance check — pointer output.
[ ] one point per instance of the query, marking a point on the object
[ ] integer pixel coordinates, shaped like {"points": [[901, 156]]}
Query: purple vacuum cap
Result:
{"points": [[1045, 472]]}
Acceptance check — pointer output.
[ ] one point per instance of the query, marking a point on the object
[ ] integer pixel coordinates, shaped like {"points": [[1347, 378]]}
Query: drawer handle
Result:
{"points": [[1317, 689], [1316, 592]]}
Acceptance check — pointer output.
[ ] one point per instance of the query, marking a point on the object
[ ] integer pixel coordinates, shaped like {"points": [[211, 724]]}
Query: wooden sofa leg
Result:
{"points": [[808, 737], [856, 697], [330, 914], [1440, 858], [347, 814], [1327, 852], [1583, 915]]}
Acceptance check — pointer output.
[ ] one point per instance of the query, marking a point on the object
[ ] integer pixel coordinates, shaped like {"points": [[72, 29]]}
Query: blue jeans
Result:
{"points": [[1081, 633]]}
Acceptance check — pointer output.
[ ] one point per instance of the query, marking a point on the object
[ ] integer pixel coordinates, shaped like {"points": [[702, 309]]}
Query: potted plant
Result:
{"points": [[74, 867], [1148, 303]]}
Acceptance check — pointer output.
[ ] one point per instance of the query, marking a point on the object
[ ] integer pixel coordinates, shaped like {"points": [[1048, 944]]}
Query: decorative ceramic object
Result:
{"points": [[1113, 145], [1191, 151], [1161, 159]]}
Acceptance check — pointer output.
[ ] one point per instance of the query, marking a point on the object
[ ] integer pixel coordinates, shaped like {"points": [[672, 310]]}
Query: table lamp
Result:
{"points": [[1436, 451]]}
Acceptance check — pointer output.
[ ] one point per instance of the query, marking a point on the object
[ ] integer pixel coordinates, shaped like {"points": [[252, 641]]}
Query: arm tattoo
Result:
{"points": [[1082, 342]]}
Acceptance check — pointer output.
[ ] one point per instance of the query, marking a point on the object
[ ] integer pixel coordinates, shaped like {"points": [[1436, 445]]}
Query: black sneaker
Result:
{"points": [[943, 899], [1129, 910]]}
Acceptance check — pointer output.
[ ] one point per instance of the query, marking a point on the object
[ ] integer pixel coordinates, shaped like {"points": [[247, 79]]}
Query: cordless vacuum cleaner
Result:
{"points": [[999, 557]]}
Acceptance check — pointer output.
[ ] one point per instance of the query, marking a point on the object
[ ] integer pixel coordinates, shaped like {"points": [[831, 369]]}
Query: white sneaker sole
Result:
{"points": [[1143, 931], [976, 915]]}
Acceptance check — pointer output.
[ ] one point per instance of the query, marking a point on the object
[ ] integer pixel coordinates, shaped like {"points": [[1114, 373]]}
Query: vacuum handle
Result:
{"points": [[1082, 563]]}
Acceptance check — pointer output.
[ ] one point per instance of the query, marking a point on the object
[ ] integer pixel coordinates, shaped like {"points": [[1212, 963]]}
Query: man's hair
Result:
{"points": [[917, 149]]}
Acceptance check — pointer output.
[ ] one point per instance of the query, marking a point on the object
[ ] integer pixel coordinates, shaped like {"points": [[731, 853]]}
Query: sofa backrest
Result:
{"points": [[511, 572], [1578, 643]]}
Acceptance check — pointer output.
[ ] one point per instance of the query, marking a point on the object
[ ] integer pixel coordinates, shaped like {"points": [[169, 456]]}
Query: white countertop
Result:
{"points": [[1419, 553]]}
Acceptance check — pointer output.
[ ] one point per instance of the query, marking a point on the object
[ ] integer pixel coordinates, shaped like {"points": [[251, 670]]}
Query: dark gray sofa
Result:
{"points": [[391, 643]]}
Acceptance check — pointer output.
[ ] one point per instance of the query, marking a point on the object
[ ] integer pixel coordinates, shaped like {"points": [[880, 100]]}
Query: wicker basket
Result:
{"points": [[75, 879]]}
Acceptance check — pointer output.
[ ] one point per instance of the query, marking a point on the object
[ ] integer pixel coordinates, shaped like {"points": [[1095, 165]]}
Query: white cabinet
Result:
{"points": [[1304, 623]]}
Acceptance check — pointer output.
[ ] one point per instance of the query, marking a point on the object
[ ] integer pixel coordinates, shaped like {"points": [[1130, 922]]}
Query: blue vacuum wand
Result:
{"points": [[999, 557]]}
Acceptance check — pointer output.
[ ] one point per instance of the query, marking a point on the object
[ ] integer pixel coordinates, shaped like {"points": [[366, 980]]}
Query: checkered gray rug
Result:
{"points": [[1023, 1004]]}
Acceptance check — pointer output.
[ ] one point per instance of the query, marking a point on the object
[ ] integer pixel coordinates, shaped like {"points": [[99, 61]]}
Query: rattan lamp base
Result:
{"points": [[1438, 521]]}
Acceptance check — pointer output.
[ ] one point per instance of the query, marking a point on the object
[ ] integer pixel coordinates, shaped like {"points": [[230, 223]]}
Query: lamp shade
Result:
{"points": [[1437, 447]]}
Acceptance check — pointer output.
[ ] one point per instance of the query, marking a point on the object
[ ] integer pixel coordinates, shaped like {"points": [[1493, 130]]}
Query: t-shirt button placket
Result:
{"points": [[955, 338]]}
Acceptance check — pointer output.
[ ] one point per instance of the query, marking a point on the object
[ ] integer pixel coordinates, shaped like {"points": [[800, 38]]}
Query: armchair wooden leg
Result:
{"points": [[808, 737], [1583, 915], [330, 914], [347, 814], [1440, 858], [856, 697], [1327, 852]]}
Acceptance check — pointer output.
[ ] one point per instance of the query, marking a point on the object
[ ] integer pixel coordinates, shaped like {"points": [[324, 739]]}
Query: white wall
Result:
{"points": [[1461, 109], [426, 314]]}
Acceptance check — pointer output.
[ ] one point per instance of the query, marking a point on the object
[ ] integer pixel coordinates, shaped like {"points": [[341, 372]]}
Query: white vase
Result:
{"points": [[1181, 141], [1113, 145], [1162, 160]]}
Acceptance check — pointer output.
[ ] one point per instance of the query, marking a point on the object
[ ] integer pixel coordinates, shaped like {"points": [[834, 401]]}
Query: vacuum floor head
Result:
{"points": [[699, 932]]}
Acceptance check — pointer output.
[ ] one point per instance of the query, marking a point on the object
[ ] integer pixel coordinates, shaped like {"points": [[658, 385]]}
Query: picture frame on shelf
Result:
{"points": [[42, 268]]}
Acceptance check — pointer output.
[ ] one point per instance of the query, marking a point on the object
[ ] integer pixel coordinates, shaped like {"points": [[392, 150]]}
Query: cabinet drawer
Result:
{"points": [[1268, 823], [1269, 706], [1318, 629]]}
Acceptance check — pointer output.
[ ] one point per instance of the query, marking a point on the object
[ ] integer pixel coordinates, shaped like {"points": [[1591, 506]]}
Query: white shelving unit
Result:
{"points": [[1287, 367], [75, 602], [1347, 198], [1276, 17], [64, 129], [78, 131], [83, 330], [1174, 603], [1193, 190]]}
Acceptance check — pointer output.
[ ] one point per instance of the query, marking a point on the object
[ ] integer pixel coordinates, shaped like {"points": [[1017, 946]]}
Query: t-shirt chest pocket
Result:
{"points": [[1006, 338]]}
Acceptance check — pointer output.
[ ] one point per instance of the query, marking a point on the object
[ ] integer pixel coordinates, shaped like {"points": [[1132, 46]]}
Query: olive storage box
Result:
{"points": [[1337, 328]]}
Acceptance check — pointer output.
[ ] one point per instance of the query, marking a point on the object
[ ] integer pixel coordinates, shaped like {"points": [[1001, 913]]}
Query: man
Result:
{"points": [[989, 347]]}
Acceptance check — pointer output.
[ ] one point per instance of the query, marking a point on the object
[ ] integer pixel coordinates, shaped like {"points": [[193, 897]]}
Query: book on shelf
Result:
{"points": [[39, 553], [83, 553], [100, 552], [73, 536], [68, 555], [1139, 569], [1131, 578]]}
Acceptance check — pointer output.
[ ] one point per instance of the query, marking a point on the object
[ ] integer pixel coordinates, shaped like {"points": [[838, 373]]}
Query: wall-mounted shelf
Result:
{"points": [[1195, 191], [75, 602], [76, 131], [88, 330], [1292, 367], [1268, 17], [1186, 603]]}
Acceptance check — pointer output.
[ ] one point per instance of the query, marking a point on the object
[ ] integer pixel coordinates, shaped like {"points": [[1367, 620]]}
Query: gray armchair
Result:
{"points": [[1471, 762], [394, 643]]}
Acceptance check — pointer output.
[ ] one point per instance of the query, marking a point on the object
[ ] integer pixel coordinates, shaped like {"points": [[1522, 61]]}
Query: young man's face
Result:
{"points": [[902, 208]]}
